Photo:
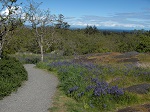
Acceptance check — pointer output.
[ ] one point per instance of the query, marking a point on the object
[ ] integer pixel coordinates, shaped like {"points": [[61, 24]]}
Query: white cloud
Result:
{"points": [[107, 24], [13, 9], [116, 24], [15, 12], [138, 20]]}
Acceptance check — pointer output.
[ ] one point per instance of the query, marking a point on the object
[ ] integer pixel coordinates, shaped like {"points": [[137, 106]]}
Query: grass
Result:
{"points": [[144, 57], [75, 78], [62, 103]]}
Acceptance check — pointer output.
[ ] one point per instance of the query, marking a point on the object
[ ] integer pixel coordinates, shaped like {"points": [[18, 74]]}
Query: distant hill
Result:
{"points": [[105, 29]]}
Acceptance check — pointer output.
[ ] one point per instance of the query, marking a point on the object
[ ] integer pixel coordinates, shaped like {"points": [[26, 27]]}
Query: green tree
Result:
{"points": [[60, 24], [144, 44], [10, 19], [90, 30]]}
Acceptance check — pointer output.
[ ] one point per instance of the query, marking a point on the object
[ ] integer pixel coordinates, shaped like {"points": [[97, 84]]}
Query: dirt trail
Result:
{"points": [[35, 94]]}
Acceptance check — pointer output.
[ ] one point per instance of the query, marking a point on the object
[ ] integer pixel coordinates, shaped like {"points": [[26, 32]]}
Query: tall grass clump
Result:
{"points": [[12, 73], [87, 83], [42, 65]]}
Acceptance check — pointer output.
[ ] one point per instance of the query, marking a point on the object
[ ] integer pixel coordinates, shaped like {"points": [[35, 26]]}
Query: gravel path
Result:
{"points": [[34, 95]]}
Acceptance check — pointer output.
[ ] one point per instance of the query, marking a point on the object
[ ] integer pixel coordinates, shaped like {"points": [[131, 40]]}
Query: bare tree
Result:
{"points": [[10, 19], [39, 20]]}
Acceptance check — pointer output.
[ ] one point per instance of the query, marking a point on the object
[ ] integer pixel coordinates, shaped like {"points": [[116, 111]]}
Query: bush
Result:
{"points": [[12, 73]]}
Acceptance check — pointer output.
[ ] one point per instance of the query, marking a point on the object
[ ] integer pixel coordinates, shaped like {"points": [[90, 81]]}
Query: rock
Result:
{"points": [[139, 108], [139, 89]]}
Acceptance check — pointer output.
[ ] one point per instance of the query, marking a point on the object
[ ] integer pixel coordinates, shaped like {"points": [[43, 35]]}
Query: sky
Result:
{"points": [[115, 14]]}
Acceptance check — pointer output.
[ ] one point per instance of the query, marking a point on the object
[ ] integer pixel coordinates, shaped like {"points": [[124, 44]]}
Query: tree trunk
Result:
{"points": [[0, 50], [42, 56]]}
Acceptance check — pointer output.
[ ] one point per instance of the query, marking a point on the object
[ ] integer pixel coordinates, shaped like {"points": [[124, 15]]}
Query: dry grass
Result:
{"points": [[59, 102], [113, 57], [105, 58], [144, 57], [62, 103]]}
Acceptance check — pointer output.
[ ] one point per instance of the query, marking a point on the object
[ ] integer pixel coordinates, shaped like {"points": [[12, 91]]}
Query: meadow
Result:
{"points": [[98, 86], [99, 70]]}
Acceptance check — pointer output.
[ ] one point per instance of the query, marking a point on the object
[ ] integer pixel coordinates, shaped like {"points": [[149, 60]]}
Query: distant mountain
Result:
{"points": [[101, 29], [116, 30]]}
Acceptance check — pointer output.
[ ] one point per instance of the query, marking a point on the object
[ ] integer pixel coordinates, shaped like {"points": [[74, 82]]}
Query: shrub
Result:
{"points": [[12, 73]]}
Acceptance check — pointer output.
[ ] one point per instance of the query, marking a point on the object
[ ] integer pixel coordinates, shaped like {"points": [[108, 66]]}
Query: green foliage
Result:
{"points": [[12, 73], [42, 65], [144, 44], [9, 22], [80, 41], [60, 23], [90, 30]]}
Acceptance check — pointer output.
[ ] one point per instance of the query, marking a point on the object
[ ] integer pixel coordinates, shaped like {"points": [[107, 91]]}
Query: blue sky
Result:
{"points": [[124, 14]]}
